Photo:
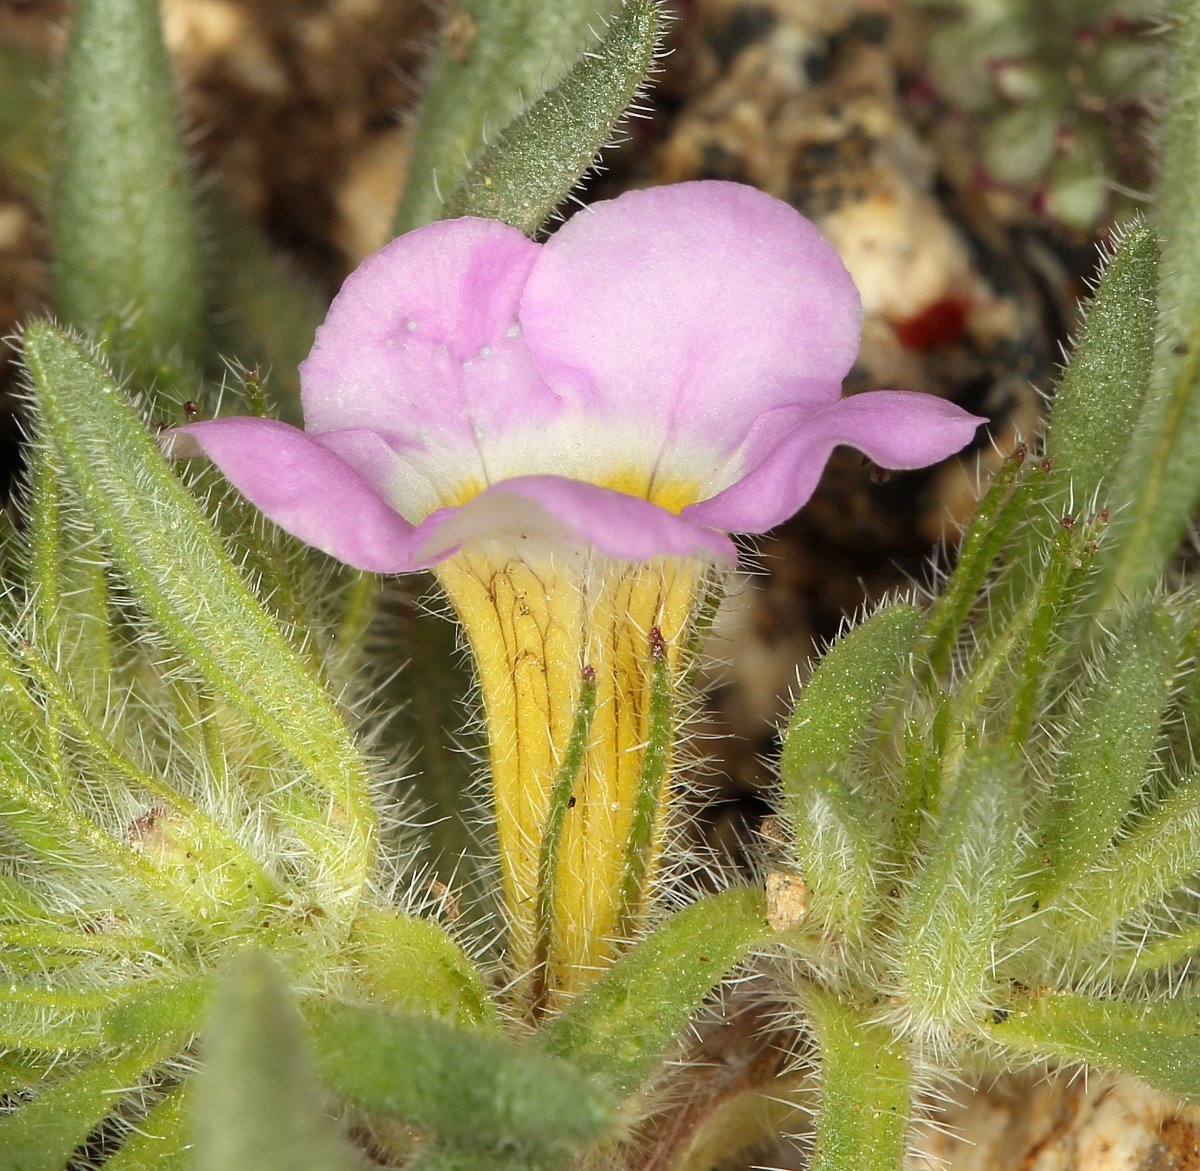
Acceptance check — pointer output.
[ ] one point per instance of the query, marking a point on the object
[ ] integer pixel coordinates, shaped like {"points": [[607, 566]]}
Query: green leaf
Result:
{"points": [[123, 227], [162, 1141], [1103, 387], [835, 851], [176, 568], [1018, 642], [65, 573], [22, 1068], [1159, 1042], [53, 829], [46, 1019], [621, 1028], [529, 169], [862, 1118], [414, 966], [837, 816], [472, 1088], [1107, 749], [42, 1134], [159, 1012], [208, 857], [1158, 483], [953, 916], [1005, 504], [256, 1103], [831, 717], [495, 57], [1155, 857]]}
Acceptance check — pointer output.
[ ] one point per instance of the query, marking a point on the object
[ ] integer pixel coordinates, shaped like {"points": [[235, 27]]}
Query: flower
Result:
{"points": [[567, 432], [664, 370]]}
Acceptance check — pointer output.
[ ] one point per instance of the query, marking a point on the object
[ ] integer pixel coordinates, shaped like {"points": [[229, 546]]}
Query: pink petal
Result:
{"points": [[693, 308], [785, 454], [551, 508], [307, 490], [423, 345]]}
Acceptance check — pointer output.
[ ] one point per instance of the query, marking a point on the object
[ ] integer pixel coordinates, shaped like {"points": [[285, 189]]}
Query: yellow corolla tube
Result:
{"points": [[580, 663]]}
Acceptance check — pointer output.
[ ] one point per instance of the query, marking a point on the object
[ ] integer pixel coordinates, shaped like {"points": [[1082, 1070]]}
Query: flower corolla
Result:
{"points": [[664, 370]]}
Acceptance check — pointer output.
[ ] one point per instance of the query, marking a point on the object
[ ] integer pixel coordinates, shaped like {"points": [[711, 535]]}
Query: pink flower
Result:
{"points": [[664, 370]]}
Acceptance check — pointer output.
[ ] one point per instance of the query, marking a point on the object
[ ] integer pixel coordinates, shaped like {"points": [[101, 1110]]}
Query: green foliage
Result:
{"points": [[126, 248], [1157, 1042], [411, 965], [178, 782], [829, 813], [179, 573], [471, 1089], [995, 803], [493, 61], [1158, 482], [992, 800], [532, 165], [1097, 402], [256, 1105], [864, 1111], [629, 1020], [43, 1134]]}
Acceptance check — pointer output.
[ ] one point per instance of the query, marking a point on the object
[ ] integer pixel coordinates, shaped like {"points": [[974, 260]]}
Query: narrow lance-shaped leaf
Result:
{"points": [[862, 1118], [208, 855], [1158, 1042], [1159, 480], [66, 576], [47, 1019], [162, 1141], [836, 820], [158, 1012], [1018, 641], [835, 851], [52, 828], [1149, 862], [123, 226], [256, 1103], [174, 564], [42, 1134], [622, 1026], [1096, 404], [831, 717], [1005, 504], [464, 1085], [954, 914], [1094, 414], [414, 966], [494, 58], [41, 1017], [529, 169], [1107, 750]]}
